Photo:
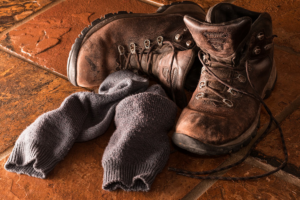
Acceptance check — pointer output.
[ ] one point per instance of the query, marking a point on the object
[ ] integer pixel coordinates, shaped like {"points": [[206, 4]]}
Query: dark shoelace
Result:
{"points": [[149, 54], [265, 133]]}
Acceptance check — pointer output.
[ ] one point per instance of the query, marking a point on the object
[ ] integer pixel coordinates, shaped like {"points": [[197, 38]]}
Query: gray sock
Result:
{"points": [[139, 148], [82, 116]]}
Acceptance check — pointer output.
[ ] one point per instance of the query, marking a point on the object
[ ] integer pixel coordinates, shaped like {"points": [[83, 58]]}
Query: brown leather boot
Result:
{"points": [[151, 43], [223, 113]]}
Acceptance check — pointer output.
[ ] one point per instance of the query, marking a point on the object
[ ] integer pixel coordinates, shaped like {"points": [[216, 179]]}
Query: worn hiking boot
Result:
{"points": [[157, 44], [223, 113]]}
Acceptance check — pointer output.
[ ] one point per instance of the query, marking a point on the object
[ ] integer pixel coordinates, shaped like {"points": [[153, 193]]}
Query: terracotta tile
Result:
{"points": [[47, 39], [26, 92], [206, 4], [82, 168], [80, 174], [286, 90], [284, 14], [271, 145], [287, 86], [13, 11], [269, 187]]}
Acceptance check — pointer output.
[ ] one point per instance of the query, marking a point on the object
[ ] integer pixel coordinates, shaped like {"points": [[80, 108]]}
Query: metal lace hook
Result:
{"points": [[147, 44], [132, 48], [160, 40], [121, 50], [228, 102]]}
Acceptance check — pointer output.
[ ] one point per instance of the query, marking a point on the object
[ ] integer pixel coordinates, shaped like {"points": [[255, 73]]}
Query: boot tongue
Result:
{"points": [[172, 72], [220, 40]]}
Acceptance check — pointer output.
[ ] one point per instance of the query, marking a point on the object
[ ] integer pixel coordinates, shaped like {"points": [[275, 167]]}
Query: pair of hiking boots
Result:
{"points": [[224, 56]]}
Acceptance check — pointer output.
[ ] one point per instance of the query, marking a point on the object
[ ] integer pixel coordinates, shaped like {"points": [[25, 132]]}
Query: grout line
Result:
{"points": [[280, 174], [31, 62], [153, 3], [36, 65], [287, 49], [204, 185], [6, 152], [26, 19], [275, 162]]}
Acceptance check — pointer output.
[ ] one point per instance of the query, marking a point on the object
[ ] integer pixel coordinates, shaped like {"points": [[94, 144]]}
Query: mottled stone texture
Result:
{"points": [[47, 39], [12, 11], [26, 92], [287, 86], [271, 145], [269, 187]]}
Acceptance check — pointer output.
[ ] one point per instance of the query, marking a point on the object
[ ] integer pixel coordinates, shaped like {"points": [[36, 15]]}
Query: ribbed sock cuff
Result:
{"points": [[31, 159], [128, 177]]}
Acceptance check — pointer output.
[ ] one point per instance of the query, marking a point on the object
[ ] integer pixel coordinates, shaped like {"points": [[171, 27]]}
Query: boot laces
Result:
{"points": [[147, 49], [254, 95], [207, 66], [124, 58]]}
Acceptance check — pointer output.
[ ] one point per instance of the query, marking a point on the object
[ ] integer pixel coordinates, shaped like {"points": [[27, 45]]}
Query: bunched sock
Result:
{"points": [[139, 148], [81, 117]]}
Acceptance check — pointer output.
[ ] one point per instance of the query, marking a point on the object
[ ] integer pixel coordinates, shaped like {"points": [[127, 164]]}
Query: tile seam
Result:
{"points": [[275, 162], [35, 64], [153, 3], [280, 174], [6, 152], [287, 49], [204, 185], [26, 19]]}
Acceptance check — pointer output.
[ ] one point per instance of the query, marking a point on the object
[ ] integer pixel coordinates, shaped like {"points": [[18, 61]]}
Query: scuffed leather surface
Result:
{"points": [[99, 53], [213, 123]]}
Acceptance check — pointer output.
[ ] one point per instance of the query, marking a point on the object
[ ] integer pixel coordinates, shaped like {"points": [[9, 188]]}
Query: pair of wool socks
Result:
{"points": [[139, 148], [84, 116]]}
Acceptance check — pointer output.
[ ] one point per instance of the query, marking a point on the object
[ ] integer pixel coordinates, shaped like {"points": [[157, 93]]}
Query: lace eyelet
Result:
{"points": [[241, 78], [206, 58], [121, 50], [260, 36], [257, 50], [189, 43], [160, 40], [202, 84], [147, 44], [228, 102], [202, 70], [178, 37], [199, 95], [132, 48], [232, 92]]}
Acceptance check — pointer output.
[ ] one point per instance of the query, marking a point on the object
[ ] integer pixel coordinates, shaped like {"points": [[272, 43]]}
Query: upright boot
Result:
{"points": [[223, 113], [146, 42]]}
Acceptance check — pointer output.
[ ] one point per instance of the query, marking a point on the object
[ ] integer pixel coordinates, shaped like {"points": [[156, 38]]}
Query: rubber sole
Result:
{"points": [[73, 54], [195, 146]]}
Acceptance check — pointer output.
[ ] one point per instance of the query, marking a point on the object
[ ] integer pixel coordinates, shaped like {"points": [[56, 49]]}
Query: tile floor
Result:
{"points": [[33, 56]]}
